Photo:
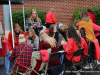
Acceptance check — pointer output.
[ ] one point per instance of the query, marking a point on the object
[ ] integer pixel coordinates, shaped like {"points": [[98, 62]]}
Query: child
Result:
{"points": [[33, 39]]}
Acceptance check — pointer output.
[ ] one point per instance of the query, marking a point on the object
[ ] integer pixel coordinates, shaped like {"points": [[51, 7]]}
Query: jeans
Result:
{"points": [[8, 64], [62, 57]]}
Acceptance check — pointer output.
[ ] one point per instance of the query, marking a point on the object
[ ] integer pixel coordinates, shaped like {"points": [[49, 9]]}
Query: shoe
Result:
{"points": [[78, 73], [42, 73], [62, 72], [97, 62], [88, 66]]}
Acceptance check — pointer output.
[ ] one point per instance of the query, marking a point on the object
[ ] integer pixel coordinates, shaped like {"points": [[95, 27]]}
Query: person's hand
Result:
{"points": [[62, 42], [10, 52], [33, 26], [36, 24]]}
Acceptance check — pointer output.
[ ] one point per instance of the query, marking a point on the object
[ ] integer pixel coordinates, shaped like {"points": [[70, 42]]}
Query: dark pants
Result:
{"points": [[91, 51], [48, 24], [66, 60]]}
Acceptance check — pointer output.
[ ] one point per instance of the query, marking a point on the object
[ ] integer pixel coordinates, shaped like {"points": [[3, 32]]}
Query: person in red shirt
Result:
{"points": [[50, 18], [92, 16], [75, 42], [17, 31]]}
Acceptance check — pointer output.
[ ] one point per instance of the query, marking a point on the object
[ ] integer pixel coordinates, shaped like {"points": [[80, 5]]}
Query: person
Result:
{"points": [[86, 24], [57, 36], [96, 29], [16, 30], [75, 42], [92, 16], [34, 22], [1, 32], [24, 58], [86, 29], [50, 18], [33, 39], [60, 29], [46, 43]]}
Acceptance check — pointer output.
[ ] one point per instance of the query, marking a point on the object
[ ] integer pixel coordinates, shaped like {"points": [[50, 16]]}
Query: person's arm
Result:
{"points": [[69, 47], [28, 25], [94, 18], [59, 39], [12, 56], [10, 46], [54, 18], [41, 45]]}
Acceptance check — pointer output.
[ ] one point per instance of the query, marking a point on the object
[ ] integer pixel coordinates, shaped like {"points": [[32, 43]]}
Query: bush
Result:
{"points": [[96, 11], [17, 16]]}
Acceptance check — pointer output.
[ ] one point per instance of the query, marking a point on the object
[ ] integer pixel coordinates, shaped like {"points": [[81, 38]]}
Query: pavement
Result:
{"points": [[89, 72]]}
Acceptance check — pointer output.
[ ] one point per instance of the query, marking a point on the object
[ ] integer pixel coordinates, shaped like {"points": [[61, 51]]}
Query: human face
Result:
{"points": [[30, 34], [17, 30], [54, 29], [34, 14]]}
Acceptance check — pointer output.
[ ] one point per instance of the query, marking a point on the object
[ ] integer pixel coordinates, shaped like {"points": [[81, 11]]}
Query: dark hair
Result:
{"points": [[73, 34], [89, 10], [51, 28]]}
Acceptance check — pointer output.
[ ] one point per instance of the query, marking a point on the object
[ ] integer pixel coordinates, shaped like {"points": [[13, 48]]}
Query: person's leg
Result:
{"points": [[7, 63], [65, 59]]}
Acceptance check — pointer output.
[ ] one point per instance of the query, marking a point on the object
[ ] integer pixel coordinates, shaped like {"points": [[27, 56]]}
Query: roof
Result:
{"points": [[12, 2]]}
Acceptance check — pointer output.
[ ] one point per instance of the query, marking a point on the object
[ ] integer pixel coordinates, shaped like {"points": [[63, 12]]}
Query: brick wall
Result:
{"points": [[2, 16], [63, 8]]}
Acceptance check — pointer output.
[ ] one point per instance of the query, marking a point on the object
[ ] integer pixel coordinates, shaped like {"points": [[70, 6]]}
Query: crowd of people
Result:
{"points": [[38, 37]]}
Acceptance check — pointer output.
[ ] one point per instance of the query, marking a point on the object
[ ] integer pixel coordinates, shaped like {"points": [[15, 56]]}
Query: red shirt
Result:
{"points": [[92, 16], [10, 42], [50, 17], [72, 47], [24, 59], [44, 45]]}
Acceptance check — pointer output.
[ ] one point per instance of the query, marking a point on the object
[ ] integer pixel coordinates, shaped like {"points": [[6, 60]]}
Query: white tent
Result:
{"points": [[13, 2]]}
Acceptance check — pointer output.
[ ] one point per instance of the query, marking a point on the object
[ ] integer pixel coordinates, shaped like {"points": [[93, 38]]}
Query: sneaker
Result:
{"points": [[62, 72], [78, 73], [42, 74], [97, 62], [88, 66]]}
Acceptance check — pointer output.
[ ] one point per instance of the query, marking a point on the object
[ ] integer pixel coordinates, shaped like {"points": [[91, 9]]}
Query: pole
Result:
{"points": [[24, 17], [11, 22]]}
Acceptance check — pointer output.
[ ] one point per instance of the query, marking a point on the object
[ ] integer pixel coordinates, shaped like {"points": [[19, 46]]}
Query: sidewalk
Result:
{"points": [[2, 70]]}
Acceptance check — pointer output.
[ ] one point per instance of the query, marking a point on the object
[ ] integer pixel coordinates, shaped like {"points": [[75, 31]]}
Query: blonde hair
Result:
{"points": [[16, 25], [30, 17], [52, 10], [48, 39], [33, 32], [22, 39], [63, 28], [79, 34], [84, 16]]}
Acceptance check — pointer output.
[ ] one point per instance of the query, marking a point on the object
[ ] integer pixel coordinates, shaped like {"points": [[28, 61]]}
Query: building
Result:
{"points": [[63, 9]]}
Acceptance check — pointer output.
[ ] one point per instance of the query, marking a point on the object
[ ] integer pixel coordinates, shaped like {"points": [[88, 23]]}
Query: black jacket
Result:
{"points": [[82, 32]]}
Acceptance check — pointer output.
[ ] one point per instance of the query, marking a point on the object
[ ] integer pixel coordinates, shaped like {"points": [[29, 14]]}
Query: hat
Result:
{"points": [[22, 39]]}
